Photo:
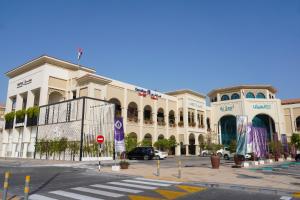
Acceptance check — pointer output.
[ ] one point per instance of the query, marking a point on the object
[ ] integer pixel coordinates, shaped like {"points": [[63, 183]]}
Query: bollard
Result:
{"points": [[99, 166], [26, 189], [158, 167], [5, 187], [179, 168]]}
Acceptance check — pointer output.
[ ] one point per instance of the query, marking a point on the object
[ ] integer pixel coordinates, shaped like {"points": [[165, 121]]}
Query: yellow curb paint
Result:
{"points": [[191, 189], [134, 197], [296, 195], [170, 194]]}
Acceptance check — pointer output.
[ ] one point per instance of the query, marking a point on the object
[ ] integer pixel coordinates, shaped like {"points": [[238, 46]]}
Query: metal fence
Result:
{"points": [[67, 130]]}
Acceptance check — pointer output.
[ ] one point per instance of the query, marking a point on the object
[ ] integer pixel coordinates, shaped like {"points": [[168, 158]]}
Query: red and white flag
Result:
{"points": [[79, 53]]}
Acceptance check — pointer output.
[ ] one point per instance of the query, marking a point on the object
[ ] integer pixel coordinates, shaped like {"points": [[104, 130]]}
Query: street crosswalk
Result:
{"points": [[108, 190]]}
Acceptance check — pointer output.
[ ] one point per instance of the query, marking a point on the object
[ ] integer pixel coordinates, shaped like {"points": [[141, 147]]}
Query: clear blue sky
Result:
{"points": [[163, 45]]}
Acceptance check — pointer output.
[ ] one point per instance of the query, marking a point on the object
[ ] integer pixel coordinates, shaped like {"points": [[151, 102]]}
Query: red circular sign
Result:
{"points": [[100, 139]]}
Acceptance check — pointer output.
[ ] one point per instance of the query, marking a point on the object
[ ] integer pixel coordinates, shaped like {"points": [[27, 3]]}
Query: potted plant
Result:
{"points": [[215, 159], [9, 120], [238, 159], [20, 116], [180, 124], [124, 164], [32, 115]]}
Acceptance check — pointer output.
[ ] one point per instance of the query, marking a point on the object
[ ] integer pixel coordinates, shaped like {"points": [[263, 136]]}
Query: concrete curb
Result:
{"points": [[264, 190]]}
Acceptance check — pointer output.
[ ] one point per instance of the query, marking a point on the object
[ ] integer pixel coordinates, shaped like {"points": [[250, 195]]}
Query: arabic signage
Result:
{"points": [[25, 82], [261, 106], [144, 93], [195, 104], [227, 108]]}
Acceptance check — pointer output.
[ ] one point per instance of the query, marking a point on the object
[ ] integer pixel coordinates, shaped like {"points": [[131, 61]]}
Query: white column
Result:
{"points": [[154, 117], [3, 153], [293, 120], [141, 118], [125, 106], [13, 150], [43, 96], [25, 149], [185, 114], [187, 150], [177, 150]]}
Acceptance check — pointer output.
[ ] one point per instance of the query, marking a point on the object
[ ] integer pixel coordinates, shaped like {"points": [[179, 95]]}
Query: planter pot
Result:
{"points": [[276, 157], [215, 161], [124, 165], [238, 159]]}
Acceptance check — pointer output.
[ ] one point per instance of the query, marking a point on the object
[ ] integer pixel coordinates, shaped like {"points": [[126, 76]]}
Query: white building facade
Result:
{"points": [[147, 114]]}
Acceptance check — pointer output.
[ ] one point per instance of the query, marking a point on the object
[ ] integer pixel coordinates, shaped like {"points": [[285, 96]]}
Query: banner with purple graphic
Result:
{"points": [[257, 141], [119, 135], [241, 137], [284, 143]]}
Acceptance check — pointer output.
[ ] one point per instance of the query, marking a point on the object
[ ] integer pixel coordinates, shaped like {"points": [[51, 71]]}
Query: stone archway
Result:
{"points": [[228, 129], [55, 97], [192, 147], [266, 122], [172, 139]]}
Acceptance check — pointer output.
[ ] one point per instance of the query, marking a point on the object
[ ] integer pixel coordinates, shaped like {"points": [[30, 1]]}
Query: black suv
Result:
{"points": [[146, 153]]}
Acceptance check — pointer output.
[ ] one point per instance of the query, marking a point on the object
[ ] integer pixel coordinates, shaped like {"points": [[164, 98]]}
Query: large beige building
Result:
{"points": [[182, 114]]}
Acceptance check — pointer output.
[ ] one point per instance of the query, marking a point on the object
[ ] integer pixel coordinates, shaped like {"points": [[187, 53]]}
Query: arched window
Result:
{"points": [[132, 112], [160, 117], [225, 98], [250, 95], [171, 118], [147, 114], [260, 96], [235, 96], [118, 108], [298, 123], [160, 137], [208, 124]]}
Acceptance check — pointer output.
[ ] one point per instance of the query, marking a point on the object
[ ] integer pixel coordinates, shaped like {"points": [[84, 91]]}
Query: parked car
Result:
{"points": [[145, 153], [222, 152], [160, 154], [205, 153]]}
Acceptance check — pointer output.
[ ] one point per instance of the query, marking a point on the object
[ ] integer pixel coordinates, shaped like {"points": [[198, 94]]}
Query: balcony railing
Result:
{"points": [[148, 121], [133, 119], [192, 124], [172, 125], [180, 124], [161, 123]]}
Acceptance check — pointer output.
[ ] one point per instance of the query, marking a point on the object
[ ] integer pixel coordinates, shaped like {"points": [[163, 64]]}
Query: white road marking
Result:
{"points": [[99, 192], [160, 181], [117, 188], [134, 185], [39, 197], [73, 195], [147, 183], [285, 198]]}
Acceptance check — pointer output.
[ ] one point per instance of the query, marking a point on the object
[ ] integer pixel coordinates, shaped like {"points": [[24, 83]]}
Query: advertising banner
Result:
{"points": [[241, 137], [119, 135]]}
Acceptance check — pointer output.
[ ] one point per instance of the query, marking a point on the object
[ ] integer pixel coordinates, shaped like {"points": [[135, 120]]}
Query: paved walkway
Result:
{"points": [[224, 175]]}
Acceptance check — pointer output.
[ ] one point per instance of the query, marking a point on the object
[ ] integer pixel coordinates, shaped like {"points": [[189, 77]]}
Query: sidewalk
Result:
{"points": [[224, 175]]}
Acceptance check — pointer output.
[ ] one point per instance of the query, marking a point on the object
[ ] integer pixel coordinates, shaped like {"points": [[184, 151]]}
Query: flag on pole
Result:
{"points": [[79, 53]]}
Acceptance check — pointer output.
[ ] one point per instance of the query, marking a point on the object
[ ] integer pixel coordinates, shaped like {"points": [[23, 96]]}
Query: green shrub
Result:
{"points": [[9, 116], [20, 114], [33, 112], [295, 140]]}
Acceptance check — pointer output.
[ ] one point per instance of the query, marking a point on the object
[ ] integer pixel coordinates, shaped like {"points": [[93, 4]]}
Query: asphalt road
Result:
{"points": [[66, 183]]}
